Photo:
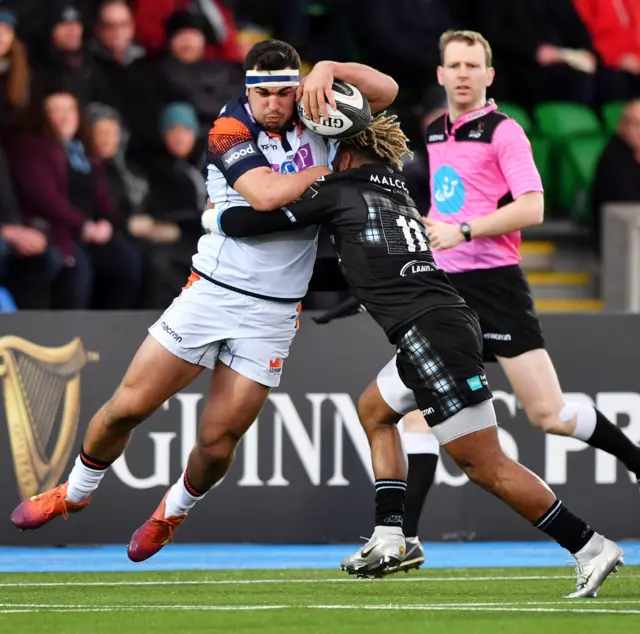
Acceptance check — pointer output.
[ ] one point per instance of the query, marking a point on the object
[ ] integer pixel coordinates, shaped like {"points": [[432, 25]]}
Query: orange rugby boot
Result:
{"points": [[153, 534], [40, 509]]}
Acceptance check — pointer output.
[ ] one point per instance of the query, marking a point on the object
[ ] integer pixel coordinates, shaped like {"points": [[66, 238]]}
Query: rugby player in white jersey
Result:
{"points": [[237, 314]]}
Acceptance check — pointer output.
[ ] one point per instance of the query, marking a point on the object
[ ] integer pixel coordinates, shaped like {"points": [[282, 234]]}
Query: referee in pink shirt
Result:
{"points": [[485, 188]]}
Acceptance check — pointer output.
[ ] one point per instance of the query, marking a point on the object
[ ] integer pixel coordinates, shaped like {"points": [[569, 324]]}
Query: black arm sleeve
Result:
{"points": [[244, 222], [315, 206]]}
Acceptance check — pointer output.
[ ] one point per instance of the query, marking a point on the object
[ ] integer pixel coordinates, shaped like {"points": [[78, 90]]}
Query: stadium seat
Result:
{"points": [[577, 168], [519, 114], [558, 121], [611, 113], [7, 304]]}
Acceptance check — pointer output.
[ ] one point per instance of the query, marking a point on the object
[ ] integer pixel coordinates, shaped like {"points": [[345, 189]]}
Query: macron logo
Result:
{"points": [[171, 332]]}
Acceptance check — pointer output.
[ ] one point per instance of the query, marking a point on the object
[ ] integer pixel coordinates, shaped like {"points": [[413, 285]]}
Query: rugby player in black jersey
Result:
{"points": [[384, 253]]}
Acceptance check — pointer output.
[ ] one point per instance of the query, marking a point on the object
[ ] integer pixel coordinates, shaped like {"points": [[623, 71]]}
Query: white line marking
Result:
{"points": [[454, 607], [390, 606], [239, 582], [421, 606], [142, 608], [471, 608]]}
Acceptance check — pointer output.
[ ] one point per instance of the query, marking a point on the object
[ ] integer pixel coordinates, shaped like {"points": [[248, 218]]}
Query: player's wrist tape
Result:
{"points": [[271, 78], [210, 221]]}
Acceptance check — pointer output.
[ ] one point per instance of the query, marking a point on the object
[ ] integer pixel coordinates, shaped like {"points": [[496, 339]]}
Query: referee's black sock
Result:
{"points": [[613, 440], [422, 471]]}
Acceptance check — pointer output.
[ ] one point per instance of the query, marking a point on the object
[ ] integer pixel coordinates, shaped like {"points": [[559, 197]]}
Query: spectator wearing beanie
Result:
{"points": [[177, 195], [62, 57]]}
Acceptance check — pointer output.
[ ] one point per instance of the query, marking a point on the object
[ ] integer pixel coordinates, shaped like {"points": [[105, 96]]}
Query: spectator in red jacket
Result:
{"points": [[61, 185], [614, 26], [222, 33]]}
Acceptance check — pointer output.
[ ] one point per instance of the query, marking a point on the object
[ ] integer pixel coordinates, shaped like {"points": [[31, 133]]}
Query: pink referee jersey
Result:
{"points": [[480, 163]]}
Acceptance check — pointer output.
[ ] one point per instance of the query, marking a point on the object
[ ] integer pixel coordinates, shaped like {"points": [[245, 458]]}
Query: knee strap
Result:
{"points": [[585, 416]]}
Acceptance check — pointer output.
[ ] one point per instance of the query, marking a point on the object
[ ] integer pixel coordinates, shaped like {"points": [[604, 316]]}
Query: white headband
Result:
{"points": [[273, 78]]}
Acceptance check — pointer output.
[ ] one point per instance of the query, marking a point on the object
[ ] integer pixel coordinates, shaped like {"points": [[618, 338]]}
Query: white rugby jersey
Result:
{"points": [[278, 266]]}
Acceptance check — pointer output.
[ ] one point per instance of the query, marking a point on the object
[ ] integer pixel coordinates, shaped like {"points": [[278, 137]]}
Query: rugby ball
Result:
{"points": [[352, 116]]}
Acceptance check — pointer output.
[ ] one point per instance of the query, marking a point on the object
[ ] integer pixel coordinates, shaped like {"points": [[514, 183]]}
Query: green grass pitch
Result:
{"points": [[465, 601]]}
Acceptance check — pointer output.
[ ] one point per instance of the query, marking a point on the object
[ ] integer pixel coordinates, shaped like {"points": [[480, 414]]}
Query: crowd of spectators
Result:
{"points": [[105, 107]]}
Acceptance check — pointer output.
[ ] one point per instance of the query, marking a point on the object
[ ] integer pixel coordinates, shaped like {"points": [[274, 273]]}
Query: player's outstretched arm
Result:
{"points": [[379, 89], [313, 208], [245, 222]]}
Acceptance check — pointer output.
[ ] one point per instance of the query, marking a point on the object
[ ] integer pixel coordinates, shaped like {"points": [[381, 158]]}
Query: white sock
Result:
{"points": [[180, 501], [83, 481], [585, 419], [592, 548], [385, 531], [420, 443]]}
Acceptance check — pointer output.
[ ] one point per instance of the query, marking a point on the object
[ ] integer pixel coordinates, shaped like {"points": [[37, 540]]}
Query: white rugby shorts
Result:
{"points": [[207, 322]]}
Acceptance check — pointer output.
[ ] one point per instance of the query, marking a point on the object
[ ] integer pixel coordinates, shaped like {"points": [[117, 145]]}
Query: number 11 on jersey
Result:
{"points": [[413, 233]]}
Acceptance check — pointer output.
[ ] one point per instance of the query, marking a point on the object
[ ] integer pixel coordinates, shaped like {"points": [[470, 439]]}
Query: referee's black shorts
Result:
{"points": [[502, 299]]}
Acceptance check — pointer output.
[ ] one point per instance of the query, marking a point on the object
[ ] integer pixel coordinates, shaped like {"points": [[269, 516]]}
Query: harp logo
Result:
{"points": [[41, 389]]}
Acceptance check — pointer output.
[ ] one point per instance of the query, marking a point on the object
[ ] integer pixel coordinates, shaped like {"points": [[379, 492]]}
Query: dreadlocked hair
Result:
{"points": [[384, 138]]}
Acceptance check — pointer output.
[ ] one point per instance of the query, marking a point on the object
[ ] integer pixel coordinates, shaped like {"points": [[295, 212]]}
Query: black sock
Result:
{"points": [[422, 471], [93, 463], [612, 439], [563, 526], [390, 502]]}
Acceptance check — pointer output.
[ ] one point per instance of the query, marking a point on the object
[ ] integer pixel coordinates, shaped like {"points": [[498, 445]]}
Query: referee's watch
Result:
{"points": [[466, 231]]}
